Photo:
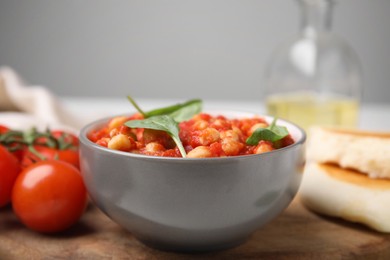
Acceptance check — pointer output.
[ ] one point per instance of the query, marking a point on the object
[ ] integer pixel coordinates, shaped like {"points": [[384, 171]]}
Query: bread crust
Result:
{"points": [[330, 190], [367, 152]]}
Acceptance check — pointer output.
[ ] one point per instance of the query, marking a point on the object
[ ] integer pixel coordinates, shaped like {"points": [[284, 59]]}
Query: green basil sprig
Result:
{"points": [[162, 122], [167, 118], [179, 112], [271, 133]]}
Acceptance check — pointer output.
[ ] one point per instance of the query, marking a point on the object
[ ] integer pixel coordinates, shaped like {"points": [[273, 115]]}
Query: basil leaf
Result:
{"points": [[179, 112], [271, 133], [164, 123], [132, 101], [280, 131], [188, 111]]}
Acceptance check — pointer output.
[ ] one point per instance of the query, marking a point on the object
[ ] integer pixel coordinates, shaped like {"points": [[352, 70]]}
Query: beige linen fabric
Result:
{"points": [[21, 105]]}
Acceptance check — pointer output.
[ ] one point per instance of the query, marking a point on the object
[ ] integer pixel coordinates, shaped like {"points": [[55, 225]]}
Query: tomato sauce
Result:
{"points": [[202, 136]]}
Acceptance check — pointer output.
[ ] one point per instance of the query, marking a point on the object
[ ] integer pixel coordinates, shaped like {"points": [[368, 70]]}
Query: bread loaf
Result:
{"points": [[347, 175]]}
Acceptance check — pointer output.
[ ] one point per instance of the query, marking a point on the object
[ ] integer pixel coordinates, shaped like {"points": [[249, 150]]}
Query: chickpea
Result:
{"points": [[230, 134], [114, 132], [200, 152], [263, 147], [231, 146], [200, 124], [120, 142], [117, 122], [237, 130], [154, 147], [201, 116], [209, 135], [197, 117], [219, 123]]}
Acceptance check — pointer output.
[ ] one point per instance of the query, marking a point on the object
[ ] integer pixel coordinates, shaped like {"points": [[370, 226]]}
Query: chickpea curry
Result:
{"points": [[168, 132]]}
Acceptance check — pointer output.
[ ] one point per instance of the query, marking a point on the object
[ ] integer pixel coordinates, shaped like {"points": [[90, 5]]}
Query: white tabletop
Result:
{"points": [[372, 116]]}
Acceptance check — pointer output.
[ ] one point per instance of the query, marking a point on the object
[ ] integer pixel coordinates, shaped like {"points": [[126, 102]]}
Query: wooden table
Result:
{"points": [[296, 234]]}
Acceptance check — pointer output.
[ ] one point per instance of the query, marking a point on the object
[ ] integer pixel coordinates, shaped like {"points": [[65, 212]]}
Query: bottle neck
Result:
{"points": [[316, 16]]}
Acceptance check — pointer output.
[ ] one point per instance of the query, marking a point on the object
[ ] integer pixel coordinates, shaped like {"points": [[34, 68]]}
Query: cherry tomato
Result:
{"points": [[67, 137], [49, 196], [68, 155], [18, 153], [3, 129], [9, 170], [62, 136]]}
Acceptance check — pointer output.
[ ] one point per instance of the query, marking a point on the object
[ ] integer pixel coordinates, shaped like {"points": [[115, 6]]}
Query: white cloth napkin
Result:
{"points": [[23, 106]]}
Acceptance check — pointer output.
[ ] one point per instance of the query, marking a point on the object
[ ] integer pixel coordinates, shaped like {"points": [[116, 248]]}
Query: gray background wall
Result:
{"points": [[214, 49]]}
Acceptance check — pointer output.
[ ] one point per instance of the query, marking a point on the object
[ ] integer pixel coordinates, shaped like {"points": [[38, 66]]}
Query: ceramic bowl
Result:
{"points": [[193, 205]]}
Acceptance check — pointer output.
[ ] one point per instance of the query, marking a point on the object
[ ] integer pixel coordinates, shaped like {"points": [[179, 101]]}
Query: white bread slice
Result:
{"points": [[348, 194], [368, 152]]}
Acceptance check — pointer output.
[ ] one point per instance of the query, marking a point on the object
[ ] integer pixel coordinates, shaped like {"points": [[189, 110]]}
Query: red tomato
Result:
{"points": [[61, 136], [9, 170], [67, 137], [49, 196], [3, 129], [19, 152], [69, 155]]}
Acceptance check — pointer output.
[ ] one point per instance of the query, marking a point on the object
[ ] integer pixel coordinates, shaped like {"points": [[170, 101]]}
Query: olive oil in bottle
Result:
{"points": [[308, 109], [315, 77]]}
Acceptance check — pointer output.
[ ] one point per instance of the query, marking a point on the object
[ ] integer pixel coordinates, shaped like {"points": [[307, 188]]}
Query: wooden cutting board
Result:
{"points": [[296, 234]]}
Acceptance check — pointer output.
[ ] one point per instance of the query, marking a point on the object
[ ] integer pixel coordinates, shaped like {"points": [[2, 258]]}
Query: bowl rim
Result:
{"points": [[94, 124]]}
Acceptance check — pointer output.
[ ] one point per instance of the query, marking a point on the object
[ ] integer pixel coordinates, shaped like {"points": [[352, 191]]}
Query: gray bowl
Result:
{"points": [[193, 205]]}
